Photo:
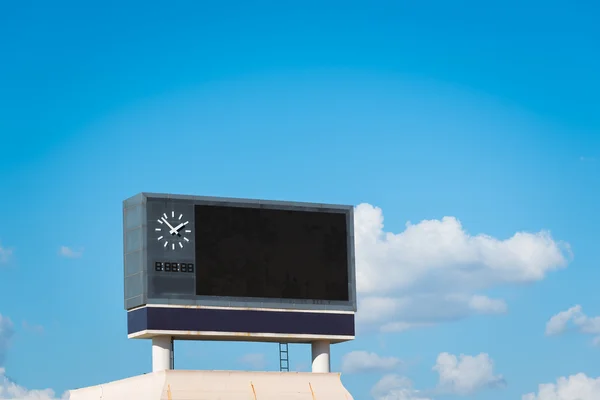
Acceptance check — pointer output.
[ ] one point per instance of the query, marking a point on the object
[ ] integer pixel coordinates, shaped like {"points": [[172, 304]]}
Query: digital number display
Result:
{"points": [[173, 267]]}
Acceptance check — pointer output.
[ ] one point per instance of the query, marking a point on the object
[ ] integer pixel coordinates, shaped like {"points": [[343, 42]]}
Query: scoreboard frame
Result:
{"points": [[137, 223]]}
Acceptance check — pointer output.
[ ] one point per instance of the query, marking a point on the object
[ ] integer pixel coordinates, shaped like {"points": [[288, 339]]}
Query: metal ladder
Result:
{"points": [[284, 361]]}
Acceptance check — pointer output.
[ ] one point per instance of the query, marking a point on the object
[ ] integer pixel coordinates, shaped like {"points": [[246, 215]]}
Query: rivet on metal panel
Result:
{"points": [[312, 392], [253, 390]]}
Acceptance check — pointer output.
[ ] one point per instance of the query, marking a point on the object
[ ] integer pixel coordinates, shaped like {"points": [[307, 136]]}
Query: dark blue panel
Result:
{"points": [[137, 320], [193, 319]]}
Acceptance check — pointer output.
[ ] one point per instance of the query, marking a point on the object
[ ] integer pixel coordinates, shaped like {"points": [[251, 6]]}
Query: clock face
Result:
{"points": [[173, 231]]}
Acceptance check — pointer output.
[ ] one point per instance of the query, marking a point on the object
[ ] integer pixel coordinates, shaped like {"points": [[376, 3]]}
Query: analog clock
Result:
{"points": [[173, 230]]}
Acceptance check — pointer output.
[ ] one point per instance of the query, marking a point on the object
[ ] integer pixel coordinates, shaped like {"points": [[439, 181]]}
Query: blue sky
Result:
{"points": [[483, 112]]}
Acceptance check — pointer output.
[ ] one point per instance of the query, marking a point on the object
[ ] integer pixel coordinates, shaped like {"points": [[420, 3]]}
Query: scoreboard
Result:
{"points": [[291, 260]]}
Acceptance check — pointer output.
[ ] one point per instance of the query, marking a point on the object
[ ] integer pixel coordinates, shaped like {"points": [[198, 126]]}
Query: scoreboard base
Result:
{"points": [[194, 323]]}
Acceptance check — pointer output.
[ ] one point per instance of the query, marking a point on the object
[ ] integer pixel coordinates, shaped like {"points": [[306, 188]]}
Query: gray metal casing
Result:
{"points": [[140, 279]]}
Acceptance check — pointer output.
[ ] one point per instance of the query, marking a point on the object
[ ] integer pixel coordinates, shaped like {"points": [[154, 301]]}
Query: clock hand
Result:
{"points": [[168, 224], [178, 227]]}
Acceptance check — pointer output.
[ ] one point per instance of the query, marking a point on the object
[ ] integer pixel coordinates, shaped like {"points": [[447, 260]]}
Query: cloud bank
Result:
{"points": [[574, 387], [396, 387], [462, 375], [12, 391], [465, 374], [9, 389], [435, 271]]}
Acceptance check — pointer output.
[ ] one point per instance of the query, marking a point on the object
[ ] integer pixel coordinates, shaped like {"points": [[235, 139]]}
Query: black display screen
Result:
{"points": [[270, 253]]}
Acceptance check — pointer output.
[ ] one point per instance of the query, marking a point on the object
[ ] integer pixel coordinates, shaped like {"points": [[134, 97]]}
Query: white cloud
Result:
{"points": [[254, 360], [68, 252], [575, 387], [5, 254], [364, 361], [6, 333], [396, 387], [466, 374], [12, 391], [33, 327], [485, 305], [558, 323], [9, 389], [435, 271], [588, 325], [462, 375]]}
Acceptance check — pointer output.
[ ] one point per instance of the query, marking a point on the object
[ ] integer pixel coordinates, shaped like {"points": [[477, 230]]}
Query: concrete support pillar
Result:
{"points": [[162, 353], [321, 350]]}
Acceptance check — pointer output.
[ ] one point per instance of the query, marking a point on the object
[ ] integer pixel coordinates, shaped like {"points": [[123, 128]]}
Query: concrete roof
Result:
{"points": [[219, 385]]}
